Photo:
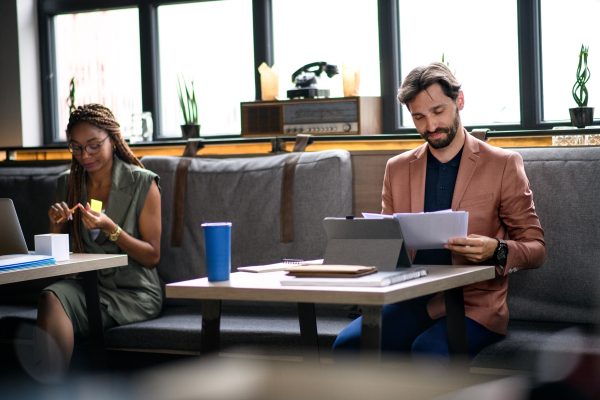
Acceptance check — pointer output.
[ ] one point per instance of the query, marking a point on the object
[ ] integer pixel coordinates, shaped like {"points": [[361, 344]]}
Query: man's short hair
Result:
{"points": [[424, 76]]}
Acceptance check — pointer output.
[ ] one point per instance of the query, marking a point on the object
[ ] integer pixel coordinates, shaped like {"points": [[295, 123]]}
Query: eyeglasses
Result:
{"points": [[90, 148]]}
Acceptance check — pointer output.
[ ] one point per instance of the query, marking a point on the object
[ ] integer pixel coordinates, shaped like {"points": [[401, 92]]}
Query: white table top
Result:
{"points": [[267, 287], [76, 263]]}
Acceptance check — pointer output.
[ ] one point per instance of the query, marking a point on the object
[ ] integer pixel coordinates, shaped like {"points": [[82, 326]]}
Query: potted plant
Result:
{"points": [[189, 108], [71, 98], [582, 115]]}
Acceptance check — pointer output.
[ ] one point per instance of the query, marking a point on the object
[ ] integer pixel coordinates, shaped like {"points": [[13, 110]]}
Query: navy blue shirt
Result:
{"points": [[439, 189]]}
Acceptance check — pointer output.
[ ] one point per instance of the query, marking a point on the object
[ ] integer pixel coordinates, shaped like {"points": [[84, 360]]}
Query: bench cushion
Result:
{"points": [[247, 192], [16, 320], [255, 327], [566, 189], [525, 342]]}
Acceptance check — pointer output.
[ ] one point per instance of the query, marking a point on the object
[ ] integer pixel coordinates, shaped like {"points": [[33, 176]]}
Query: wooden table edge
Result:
{"points": [[82, 263], [328, 295]]}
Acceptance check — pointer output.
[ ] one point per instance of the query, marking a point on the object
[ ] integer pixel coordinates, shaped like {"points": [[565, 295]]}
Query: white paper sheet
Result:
{"points": [[429, 230]]}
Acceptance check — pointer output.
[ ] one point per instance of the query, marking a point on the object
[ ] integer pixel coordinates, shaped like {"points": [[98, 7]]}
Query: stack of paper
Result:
{"points": [[430, 230], [13, 262]]}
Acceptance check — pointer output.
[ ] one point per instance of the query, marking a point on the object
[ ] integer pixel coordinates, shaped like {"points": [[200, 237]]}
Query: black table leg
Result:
{"points": [[308, 332], [370, 335], [92, 300], [211, 327], [457, 326]]}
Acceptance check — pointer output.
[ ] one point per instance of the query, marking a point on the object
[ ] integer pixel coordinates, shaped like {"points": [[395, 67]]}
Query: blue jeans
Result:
{"points": [[407, 328]]}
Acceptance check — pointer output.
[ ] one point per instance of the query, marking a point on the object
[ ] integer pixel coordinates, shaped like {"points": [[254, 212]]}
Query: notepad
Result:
{"points": [[330, 271], [379, 279], [12, 262], [96, 205]]}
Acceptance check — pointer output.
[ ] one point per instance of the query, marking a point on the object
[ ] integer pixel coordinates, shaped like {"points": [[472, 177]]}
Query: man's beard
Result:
{"points": [[443, 141]]}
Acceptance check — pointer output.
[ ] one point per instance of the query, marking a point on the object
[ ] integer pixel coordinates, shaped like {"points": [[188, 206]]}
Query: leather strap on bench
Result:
{"points": [[480, 133], [191, 148], [287, 189]]}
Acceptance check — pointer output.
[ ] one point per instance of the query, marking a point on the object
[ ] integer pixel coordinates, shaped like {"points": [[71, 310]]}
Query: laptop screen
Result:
{"points": [[12, 240]]}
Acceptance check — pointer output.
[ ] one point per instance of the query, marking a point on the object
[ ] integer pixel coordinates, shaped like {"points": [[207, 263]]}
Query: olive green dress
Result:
{"points": [[130, 293]]}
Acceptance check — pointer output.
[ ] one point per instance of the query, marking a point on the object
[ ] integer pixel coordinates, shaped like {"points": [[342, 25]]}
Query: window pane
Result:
{"points": [[564, 30], [211, 43], [479, 40], [101, 50], [335, 31]]}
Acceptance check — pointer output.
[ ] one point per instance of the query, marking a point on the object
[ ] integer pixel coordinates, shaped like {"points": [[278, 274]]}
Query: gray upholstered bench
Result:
{"points": [[542, 303], [564, 291], [248, 193]]}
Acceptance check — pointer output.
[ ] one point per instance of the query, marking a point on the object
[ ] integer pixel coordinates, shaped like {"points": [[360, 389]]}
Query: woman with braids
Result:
{"points": [[102, 168]]}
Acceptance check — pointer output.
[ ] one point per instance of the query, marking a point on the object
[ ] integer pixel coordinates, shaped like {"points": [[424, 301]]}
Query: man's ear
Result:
{"points": [[460, 100]]}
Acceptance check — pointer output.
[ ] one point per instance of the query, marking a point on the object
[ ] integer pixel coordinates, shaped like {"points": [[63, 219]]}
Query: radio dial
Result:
{"points": [[346, 127]]}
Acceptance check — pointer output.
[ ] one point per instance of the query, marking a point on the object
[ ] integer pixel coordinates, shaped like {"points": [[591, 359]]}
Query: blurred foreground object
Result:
{"points": [[246, 379]]}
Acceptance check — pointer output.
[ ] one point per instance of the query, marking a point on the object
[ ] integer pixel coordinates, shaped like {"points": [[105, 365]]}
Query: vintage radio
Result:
{"points": [[328, 116]]}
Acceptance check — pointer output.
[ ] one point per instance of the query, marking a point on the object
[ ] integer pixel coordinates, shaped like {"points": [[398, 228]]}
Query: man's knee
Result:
{"points": [[348, 341], [430, 345]]}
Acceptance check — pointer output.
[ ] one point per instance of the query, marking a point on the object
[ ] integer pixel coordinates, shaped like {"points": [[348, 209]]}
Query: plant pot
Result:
{"points": [[582, 116], [190, 131]]}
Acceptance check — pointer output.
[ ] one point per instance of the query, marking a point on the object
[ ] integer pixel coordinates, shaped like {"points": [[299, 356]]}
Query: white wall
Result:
{"points": [[20, 91]]}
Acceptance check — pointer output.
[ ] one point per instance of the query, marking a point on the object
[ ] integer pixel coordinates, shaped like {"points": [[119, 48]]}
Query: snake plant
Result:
{"points": [[187, 100]]}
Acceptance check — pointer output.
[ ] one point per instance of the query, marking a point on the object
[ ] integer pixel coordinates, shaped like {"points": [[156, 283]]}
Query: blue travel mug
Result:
{"points": [[217, 244]]}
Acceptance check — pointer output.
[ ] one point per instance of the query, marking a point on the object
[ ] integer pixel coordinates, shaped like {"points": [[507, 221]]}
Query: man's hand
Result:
{"points": [[474, 248]]}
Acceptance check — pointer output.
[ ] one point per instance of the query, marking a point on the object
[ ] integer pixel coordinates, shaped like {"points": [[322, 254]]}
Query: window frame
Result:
{"points": [[529, 42]]}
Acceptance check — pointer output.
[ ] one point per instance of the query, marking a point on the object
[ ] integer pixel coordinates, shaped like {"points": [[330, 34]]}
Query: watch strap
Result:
{"points": [[114, 235], [501, 254]]}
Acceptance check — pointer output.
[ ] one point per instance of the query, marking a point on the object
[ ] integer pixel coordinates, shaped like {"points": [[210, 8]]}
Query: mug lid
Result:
{"points": [[206, 224]]}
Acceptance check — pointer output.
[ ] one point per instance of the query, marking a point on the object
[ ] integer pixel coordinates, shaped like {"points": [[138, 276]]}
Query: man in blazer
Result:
{"points": [[455, 170]]}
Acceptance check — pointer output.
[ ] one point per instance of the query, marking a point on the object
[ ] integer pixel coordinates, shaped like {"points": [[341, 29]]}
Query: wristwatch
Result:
{"points": [[501, 254], [114, 235]]}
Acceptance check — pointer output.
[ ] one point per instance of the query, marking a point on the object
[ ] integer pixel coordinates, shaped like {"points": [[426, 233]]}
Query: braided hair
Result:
{"points": [[102, 118]]}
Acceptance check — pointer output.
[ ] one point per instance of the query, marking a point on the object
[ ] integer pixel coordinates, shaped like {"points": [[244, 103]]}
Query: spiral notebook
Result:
{"points": [[378, 279]]}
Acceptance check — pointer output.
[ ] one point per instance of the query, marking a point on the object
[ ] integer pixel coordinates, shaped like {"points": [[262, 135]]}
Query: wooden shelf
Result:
{"points": [[239, 147]]}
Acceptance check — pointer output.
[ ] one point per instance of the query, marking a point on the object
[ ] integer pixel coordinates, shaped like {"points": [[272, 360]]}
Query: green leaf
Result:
{"points": [[189, 106]]}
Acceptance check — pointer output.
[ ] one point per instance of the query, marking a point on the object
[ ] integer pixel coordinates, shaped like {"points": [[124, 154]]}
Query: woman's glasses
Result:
{"points": [[90, 148]]}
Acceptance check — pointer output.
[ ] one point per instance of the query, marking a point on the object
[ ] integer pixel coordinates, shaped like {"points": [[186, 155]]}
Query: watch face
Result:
{"points": [[502, 252]]}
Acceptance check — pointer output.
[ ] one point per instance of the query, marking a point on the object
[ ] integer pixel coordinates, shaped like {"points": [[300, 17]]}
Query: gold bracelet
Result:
{"points": [[114, 235]]}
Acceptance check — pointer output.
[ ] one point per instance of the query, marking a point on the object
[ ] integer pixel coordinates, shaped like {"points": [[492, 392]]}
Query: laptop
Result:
{"points": [[361, 241], [12, 240]]}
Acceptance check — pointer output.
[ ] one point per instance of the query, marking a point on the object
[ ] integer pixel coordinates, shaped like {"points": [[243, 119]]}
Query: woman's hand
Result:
{"points": [[96, 220], [146, 249], [59, 213]]}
